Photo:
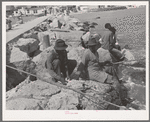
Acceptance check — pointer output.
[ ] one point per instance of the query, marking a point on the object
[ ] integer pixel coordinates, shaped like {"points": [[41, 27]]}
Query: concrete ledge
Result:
{"points": [[17, 32]]}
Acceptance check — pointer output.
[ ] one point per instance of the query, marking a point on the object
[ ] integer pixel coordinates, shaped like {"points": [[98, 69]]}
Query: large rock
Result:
{"points": [[94, 90], [67, 18], [15, 77], [30, 35], [66, 100], [17, 55], [28, 45], [52, 37], [30, 95], [19, 60], [39, 95]]}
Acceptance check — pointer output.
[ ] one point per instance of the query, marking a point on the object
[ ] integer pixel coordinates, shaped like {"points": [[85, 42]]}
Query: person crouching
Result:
{"points": [[58, 65]]}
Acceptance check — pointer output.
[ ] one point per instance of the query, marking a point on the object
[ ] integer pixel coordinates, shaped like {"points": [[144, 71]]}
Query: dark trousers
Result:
{"points": [[117, 47], [116, 54], [60, 68]]}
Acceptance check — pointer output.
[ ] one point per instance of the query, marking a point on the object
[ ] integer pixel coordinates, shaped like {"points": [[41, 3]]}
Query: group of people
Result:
{"points": [[107, 40], [60, 67]]}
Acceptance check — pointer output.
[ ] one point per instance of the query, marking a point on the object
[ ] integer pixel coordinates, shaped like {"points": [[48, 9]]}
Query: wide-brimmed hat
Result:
{"points": [[60, 45], [92, 42]]}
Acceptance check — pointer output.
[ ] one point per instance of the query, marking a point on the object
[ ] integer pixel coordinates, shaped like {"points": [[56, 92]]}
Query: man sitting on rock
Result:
{"points": [[90, 63], [58, 65], [108, 43]]}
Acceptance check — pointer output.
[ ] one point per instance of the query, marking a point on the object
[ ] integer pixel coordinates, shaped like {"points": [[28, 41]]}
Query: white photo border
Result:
{"points": [[22, 115]]}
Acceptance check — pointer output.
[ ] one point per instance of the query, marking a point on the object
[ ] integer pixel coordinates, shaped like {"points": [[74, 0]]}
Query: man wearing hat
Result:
{"points": [[58, 65], [86, 36], [90, 62]]}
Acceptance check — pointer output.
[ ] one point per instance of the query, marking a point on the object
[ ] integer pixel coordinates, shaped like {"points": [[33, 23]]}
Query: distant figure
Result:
{"points": [[8, 24], [45, 11], [86, 36], [50, 10], [20, 20]]}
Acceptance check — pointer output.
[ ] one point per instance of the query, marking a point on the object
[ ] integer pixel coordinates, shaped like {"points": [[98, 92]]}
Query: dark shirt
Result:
{"points": [[53, 56], [107, 40]]}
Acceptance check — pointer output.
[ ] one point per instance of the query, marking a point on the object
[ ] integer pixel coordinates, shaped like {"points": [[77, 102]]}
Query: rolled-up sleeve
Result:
{"points": [[50, 68]]}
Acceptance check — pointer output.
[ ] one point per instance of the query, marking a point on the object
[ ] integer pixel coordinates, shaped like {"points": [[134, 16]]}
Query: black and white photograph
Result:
{"points": [[75, 60]]}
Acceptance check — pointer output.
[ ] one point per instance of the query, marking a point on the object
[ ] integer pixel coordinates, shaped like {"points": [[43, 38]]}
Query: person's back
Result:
{"points": [[107, 39]]}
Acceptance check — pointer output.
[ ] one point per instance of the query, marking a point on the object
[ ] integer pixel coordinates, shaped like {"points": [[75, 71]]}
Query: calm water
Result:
{"points": [[131, 29], [129, 23]]}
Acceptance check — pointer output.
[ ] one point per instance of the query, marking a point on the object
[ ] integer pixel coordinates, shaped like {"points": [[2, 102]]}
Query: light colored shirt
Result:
{"points": [[90, 62]]}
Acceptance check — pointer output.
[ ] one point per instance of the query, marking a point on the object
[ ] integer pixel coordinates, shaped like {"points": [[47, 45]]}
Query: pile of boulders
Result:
{"points": [[63, 22], [19, 56], [39, 95]]}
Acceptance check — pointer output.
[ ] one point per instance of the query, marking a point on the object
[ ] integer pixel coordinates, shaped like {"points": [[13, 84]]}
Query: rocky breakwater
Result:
{"points": [[18, 56], [135, 83], [42, 93]]}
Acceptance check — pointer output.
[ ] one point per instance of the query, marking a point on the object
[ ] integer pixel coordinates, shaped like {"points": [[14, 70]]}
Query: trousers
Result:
{"points": [[60, 68]]}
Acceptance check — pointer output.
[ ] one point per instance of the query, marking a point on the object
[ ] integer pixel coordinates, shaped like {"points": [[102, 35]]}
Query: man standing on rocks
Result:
{"points": [[58, 65]]}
